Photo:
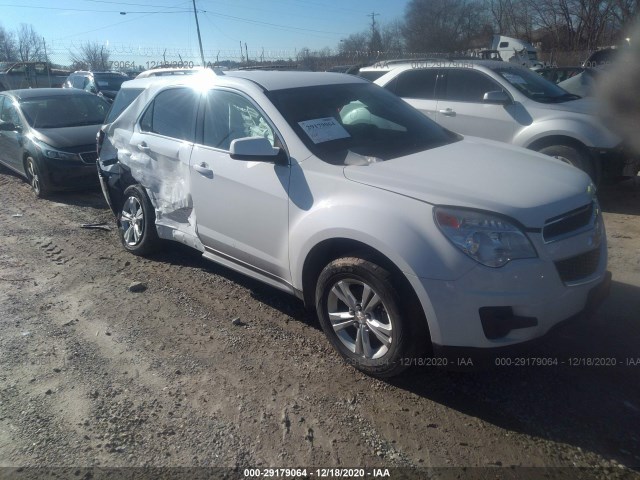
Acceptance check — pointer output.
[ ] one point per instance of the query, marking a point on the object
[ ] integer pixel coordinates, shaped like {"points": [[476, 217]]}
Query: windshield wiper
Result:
{"points": [[570, 96]]}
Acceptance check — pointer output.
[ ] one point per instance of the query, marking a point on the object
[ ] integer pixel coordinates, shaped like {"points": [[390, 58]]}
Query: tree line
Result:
{"points": [[446, 26], [428, 26]]}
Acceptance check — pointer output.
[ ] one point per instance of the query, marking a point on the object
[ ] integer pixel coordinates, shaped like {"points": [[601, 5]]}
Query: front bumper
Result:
{"points": [[65, 174], [523, 300], [463, 358]]}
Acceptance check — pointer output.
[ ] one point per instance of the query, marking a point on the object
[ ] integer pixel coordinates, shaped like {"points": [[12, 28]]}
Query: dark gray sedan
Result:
{"points": [[48, 135]]}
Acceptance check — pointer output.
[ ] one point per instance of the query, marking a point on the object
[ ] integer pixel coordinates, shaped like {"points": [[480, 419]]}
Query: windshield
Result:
{"points": [[107, 81], [534, 86], [340, 122], [64, 111]]}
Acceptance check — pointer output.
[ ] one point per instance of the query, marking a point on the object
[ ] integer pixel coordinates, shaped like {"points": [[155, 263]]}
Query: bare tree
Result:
{"points": [[30, 44], [441, 25], [355, 44], [392, 39], [8, 50], [91, 56], [510, 17], [583, 24]]}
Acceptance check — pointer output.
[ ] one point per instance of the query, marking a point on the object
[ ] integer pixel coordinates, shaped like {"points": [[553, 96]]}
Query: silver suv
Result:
{"points": [[509, 103], [405, 238]]}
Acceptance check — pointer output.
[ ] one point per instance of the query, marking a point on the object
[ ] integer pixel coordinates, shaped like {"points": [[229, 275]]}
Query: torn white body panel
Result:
{"points": [[161, 165]]}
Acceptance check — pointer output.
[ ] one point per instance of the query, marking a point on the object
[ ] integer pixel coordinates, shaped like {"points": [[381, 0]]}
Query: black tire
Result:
{"points": [[137, 222], [370, 355], [578, 157], [37, 179]]}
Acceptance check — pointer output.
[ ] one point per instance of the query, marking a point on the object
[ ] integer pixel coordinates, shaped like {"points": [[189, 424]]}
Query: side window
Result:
{"points": [[417, 84], [467, 85], [9, 113], [89, 85], [77, 81], [504, 44], [229, 116], [172, 114]]}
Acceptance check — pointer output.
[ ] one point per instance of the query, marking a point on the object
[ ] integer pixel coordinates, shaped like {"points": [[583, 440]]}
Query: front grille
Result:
{"points": [[89, 157], [558, 227], [578, 267]]}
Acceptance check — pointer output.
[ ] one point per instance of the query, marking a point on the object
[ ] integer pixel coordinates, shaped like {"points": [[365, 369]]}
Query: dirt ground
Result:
{"points": [[94, 375]]}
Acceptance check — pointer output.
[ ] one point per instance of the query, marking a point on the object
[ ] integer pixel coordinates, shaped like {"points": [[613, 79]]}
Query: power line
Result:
{"points": [[131, 4], [84, 9], [285, 27]]}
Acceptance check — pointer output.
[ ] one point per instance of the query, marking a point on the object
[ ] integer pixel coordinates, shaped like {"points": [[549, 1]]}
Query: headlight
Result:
{"points": [[50, 152], [488, 239]]}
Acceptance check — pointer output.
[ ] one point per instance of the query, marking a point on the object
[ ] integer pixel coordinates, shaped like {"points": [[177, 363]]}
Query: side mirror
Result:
{"points": [[256, 149], [498, 97], [9, 127]]}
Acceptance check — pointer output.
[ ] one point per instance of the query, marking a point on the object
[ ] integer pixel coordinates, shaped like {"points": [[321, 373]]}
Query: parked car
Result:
{"points": [[584, 83], [604, 56], [16, 75], [103, 84], [404, 237], [559, 74], [47, 135], [509, 103]]}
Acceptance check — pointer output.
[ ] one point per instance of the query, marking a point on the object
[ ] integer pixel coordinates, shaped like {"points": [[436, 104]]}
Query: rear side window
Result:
{"points": [[467, 85], [123, 100], [417, 84], [172, 114]]}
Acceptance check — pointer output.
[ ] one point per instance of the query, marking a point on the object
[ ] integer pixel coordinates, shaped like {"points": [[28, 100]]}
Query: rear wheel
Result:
{"points": [[39, 183], [578, 157], [137, 222], [364, 317]]}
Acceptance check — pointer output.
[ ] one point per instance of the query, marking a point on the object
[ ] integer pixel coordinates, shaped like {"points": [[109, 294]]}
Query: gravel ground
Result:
{"points": [[202, 367]]}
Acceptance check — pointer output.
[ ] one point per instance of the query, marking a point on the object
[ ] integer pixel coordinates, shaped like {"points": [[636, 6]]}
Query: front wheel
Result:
{"points": [[39, 183], [360, 312], [577, 157], [137, 222]]}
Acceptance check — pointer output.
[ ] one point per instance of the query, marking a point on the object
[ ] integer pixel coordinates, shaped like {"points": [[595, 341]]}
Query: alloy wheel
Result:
{"points": [[359, 318], [132, 221]]}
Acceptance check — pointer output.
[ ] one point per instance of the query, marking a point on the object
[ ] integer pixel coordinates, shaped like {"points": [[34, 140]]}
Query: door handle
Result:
{"points": [[447, 112], [143, 146], [203, 169]]}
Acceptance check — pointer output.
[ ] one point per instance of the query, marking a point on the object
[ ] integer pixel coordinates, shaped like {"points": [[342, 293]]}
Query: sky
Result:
{"points": [[279, 28]]}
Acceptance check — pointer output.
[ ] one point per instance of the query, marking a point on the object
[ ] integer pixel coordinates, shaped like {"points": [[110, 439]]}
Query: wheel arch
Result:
{"points": [[595, 164], [550, 140], [331, 249]]}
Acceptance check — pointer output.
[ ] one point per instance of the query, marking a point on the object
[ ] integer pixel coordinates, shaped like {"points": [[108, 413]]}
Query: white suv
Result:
{"points": [[405, 238], [509, 103]]}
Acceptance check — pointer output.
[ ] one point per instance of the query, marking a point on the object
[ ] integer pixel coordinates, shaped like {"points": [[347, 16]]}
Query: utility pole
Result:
{"points": [[373, 16], [195, 12]]}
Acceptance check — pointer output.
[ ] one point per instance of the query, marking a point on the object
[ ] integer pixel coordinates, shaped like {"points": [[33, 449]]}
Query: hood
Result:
{"points": [[476, 173], [587, 106], [68, 138]]}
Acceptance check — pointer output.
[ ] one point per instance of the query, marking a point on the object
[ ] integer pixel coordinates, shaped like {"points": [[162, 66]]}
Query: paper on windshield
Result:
{"points": [[322, 130], [513, 78]]}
